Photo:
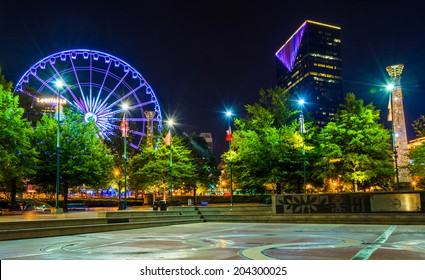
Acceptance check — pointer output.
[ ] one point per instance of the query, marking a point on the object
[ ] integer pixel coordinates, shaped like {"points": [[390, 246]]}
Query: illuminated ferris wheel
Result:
{"points": [[101, 87]]}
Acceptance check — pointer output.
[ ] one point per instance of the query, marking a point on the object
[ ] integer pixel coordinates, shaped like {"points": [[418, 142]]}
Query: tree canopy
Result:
{"points": [[267, 145], [17, 154], [355, 146], [150, 169], [84, 159]]}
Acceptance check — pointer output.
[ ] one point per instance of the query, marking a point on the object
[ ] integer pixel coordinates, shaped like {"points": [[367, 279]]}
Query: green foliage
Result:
{"points": [[150, 168], [205, 164], [356, 146], [273, 109], [17, 155], [417, 168], [419, 126], [45, 143], [84, 159], [267, 145]]}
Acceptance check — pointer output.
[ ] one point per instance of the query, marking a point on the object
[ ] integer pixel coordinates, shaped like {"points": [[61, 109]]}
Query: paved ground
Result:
{"points": [[224, 241]]}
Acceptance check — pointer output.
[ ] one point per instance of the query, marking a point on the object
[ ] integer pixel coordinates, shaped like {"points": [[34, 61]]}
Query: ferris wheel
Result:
{"points": [[101, 87]]}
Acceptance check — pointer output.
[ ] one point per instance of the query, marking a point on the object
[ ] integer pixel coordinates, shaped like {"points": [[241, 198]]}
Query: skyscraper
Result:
{"points": [[208, 138], [309, 66]]}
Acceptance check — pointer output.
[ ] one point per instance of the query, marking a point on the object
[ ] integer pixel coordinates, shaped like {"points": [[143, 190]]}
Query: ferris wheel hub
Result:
{"points": [[90, 117]]}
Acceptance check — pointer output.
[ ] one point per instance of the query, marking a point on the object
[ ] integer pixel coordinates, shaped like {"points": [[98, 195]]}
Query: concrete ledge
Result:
{"points": [[25, 233], [122, 220], [56, 211]]}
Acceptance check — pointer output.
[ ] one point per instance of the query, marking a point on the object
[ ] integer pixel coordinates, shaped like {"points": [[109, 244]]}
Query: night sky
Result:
{"points": [[202, 57]]}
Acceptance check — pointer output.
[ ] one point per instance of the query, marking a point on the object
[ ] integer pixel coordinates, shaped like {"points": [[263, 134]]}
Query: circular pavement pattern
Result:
{"points": [[225, 241]]}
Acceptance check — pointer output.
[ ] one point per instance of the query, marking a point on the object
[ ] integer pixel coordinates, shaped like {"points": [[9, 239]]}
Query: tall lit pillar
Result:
{"points": [[396, 116], [149, 127], [169, 142], [229, 137]]}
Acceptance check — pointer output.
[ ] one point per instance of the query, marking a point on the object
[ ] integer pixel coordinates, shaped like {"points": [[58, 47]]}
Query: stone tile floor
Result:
{"points": [[227, 241]]}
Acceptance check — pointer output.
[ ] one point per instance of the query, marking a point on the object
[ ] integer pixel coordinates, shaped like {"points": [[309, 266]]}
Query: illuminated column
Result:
{"points": [[149, 127], [396, 116]]}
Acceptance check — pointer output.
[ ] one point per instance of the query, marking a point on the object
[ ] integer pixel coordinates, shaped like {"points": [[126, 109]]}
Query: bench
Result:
{"points": [[77, 205], [203, 203]]}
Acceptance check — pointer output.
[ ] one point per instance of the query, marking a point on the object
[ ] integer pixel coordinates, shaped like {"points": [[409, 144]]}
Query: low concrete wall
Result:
{"points": [[373, 202]]}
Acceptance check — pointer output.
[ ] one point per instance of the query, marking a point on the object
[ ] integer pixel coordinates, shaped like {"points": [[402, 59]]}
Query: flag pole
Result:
{"points": [[302, 130]]}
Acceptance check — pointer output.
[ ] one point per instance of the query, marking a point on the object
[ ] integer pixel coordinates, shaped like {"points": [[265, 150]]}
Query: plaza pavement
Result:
{"points": [[222, 241]]}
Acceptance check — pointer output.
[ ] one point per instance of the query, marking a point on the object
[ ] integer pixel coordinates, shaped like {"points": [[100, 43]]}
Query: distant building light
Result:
{"points": [[50, 100]]}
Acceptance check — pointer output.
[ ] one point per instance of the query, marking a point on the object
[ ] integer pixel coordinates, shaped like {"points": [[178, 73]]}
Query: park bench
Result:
{"points": [[77, 206]]}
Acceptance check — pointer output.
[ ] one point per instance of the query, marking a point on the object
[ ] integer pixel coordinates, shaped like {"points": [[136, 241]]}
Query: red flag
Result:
{"points": [[124, 127], [167, 139], [229, 135]]}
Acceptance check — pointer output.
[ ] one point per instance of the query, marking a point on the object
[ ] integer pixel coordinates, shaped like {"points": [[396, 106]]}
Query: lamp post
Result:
{"points": [[390, 88], [59, 85], [124, 129], [169, 142], [302, 131], [117, 173], [229, 138]]}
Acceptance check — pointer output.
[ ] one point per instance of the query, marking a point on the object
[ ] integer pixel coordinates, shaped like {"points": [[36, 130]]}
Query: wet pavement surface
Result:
{"points": [[225, 241]]}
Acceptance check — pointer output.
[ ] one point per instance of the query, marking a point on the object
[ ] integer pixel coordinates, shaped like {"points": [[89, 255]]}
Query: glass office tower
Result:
{"points": [[309, 66]]}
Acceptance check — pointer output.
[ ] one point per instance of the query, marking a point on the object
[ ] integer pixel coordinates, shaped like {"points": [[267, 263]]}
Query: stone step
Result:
{"points": [[49, 231], [409, 219], [234, 208], [121, 220]]}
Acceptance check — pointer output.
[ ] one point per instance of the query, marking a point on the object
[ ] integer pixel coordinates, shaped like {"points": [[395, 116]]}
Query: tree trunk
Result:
{"points": [[13, 187], [194, 195], [65, 197], [279, 188]]}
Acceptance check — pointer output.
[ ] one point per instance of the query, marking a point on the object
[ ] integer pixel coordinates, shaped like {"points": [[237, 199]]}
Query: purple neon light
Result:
{"points": [[97, 88], [288, 52]]}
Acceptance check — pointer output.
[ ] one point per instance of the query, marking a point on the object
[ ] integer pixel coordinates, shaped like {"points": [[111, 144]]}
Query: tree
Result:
{"points": [[417, 168], [84, 159], [356, 146], [417, 154], [206, 166], [17, 155], [267, 145], [419, 126], [150, 168], [45, 143]]}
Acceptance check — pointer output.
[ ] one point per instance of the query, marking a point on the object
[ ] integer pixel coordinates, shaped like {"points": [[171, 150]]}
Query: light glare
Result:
{"points": [[390, 87], [59, 84], [170, 122]]}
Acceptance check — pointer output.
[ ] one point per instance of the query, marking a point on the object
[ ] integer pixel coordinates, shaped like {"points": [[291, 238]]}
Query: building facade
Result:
{"points": [[309, 66], [209, 139]]}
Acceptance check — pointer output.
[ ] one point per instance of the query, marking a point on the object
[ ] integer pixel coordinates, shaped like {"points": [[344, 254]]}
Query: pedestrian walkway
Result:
{"points": [[220, 241], [226, 241]]}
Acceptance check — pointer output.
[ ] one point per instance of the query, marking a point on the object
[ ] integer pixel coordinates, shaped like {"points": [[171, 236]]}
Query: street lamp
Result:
{"points": [[229, 138], [124, 129], [390, 88], [59, 85], [302, 130], [117, 173], [168, 141]]}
